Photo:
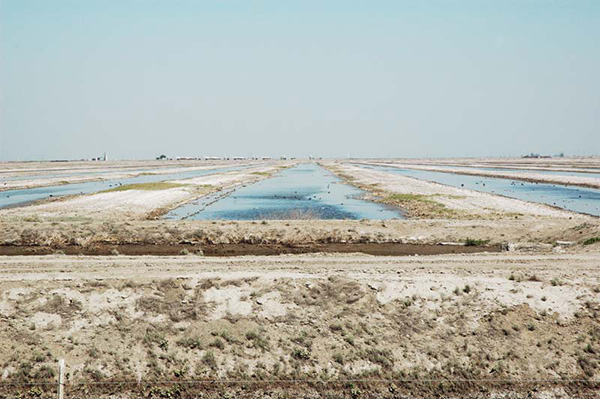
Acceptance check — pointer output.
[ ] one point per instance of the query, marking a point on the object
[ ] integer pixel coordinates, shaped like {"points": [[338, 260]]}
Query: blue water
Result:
{"points": [[546, 172], [583, 200], [13, 198], [306, 191], [498, 169]]}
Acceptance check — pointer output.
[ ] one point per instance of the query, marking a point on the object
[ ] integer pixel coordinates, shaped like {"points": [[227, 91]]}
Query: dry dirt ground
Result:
{"points": [[492, 318], [533, 234]]}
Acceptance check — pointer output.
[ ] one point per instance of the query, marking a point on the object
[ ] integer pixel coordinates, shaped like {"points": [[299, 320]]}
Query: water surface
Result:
{"points": [[306, 191], [20, 197], [511, 170], [573, 198]]}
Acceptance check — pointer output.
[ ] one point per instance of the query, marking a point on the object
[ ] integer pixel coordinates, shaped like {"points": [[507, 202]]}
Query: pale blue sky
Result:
{"points": [[370, 78]]}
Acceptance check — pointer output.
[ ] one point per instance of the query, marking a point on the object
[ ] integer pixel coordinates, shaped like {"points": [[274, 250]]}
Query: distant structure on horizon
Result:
{"points": [[534, 155], [103, 158]]}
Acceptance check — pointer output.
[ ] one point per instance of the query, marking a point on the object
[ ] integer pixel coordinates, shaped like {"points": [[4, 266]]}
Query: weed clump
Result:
{"points": [[470, 242], [226, 336], [45, 372], [420, 205], [380, 356], [589, 349], [62, 306], [338, 358], [555, 282], [301, 354], [153, 336], [38, 357], [190, 343], [218, 343], [154, 186], [592, 240], [209, 360], [258, 340]]}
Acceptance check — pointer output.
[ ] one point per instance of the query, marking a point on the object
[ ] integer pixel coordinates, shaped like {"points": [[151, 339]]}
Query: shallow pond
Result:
{"points": [[13, 198], [578, 199], [306, 191], [500, 169]]}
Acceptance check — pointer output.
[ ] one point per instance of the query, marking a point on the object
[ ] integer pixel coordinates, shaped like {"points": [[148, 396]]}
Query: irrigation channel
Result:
{"points": [[471, 169], [305, 191], [572, 198], [12, 198]]}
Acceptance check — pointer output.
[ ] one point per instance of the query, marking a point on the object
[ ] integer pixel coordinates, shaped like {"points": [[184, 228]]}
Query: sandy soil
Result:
{"points": [[487, 317], [583, 181]]}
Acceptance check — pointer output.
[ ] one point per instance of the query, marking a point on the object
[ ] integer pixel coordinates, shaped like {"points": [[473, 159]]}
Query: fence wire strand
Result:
{"points": [[313, 381]]}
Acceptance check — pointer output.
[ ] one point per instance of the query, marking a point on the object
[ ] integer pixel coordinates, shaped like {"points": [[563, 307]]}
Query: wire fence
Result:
{"points": [[188, 388]]}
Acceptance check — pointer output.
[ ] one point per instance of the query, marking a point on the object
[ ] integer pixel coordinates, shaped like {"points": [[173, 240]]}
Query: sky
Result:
{"points": [[327, 78]]}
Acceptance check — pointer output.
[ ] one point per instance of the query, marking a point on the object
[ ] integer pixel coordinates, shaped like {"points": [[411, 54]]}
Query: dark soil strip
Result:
{"points": [[381, 249], [279, 389]]}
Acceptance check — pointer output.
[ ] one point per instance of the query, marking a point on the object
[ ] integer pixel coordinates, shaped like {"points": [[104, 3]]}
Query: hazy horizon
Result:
{"points": [[331, 79]]}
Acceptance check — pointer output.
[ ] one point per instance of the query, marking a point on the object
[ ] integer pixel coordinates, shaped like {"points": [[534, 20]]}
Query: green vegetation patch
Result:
{"points": [[420, 205], [259, 340], [450, 196], [261, 173], [409, 198], [591, 241], [161, 185], [470, 242]]}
